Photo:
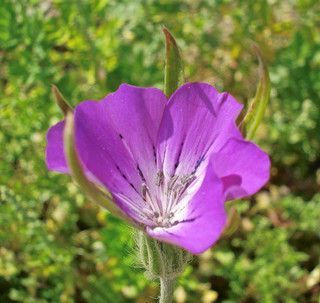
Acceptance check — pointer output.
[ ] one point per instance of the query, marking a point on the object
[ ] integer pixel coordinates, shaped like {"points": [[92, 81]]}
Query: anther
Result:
{"points": [[149, 212], [169, 215], [159, 180], [166, 223], [144, 190], [172, 182], [188, 179]]}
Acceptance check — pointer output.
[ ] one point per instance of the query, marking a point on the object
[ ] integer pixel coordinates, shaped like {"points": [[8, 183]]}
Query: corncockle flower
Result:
{"points": [[170, 165]]}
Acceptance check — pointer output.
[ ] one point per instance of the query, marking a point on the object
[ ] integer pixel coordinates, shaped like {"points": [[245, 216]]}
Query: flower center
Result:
{"points": [[161, 206]]}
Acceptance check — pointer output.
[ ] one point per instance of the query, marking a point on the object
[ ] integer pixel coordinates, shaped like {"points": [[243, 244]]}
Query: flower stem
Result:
{"points": [[167, 289]]}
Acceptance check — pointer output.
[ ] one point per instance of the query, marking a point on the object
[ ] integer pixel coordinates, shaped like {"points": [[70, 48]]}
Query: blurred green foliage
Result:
{"points": [[57, 247]]}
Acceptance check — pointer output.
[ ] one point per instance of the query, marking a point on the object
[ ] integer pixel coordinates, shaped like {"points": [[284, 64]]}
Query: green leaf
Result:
{"points": [[61, 101], [91, 191], [173, 77], [257, 108]]}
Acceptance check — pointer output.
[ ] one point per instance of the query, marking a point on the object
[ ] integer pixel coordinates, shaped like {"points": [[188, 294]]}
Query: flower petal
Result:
{"points": [[55, 157], [243, 168], [201, 222], [196, 121], [120, 130], [116, 139]]}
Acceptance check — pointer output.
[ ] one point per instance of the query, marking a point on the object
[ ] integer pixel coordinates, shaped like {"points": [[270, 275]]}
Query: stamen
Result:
{"points": [[159, 180], [161, 206], [169, 215], [149, 199], [144, 190], [172, 182], [166, 223], [189, 179], [139, 212], [149, 212], [179, 191]]}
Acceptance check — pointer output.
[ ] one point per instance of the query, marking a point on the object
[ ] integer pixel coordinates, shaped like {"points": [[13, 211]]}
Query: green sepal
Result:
{"points": [[232, 223], [61, 101], [173, 75], [91, 191], [257, 108], [160, 259]]}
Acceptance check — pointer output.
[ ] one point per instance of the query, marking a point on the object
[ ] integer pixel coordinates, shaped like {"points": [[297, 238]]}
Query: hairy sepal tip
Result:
{"points": [[63, 104], [257, 107], [173, 77]]}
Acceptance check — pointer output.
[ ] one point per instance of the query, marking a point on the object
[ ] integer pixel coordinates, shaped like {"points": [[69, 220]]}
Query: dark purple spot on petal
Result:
{"points": [[179, 154], [141, 174], [188, 220], [172, 234], [154, 153], [198, 164]]}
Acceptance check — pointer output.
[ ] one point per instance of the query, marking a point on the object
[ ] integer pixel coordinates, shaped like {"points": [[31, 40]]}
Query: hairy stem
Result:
{"points": [[167, 289]]}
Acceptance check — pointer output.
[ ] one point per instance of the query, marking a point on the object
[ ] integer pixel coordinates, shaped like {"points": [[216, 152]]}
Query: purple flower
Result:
{"points": [[170, 165]]}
